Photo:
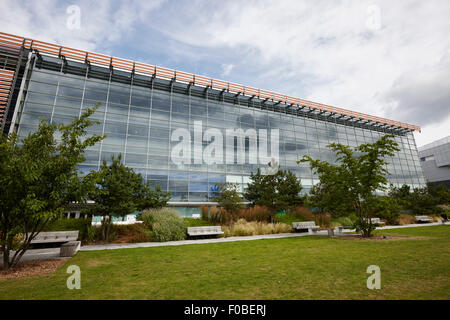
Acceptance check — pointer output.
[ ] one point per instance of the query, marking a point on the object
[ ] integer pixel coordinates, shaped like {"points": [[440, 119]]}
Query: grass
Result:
{"points": [[291, 268]]}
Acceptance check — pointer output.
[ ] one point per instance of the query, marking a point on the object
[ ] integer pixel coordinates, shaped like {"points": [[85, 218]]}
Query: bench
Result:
{"points": [[305, 225], [339, 230], [55, 237], [423, 219], [204, 231], [67, 239], [376, 221], [69, 249]]}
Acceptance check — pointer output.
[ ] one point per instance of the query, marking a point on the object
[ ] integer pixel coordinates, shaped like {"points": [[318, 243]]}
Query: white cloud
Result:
{"points": [[330, 52], [334, 52], [102, 22], [226, 69]]}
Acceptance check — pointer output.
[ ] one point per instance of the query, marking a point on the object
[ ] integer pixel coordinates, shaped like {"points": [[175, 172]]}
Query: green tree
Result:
{"points": [[423, 200], [121, 191], [323, 199], [385, 207], [149, 197], [278, 191], [230, 200], [401, 194], [439, 192], [357, 175], [39, 178]]}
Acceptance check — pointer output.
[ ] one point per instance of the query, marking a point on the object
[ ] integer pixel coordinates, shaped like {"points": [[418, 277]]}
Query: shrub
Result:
{"points": [[255, 213], [406, 219], [342, 221], [286, 218], [82, 225], [245, 228], [215, 215], [386, 208], [165, 224], [302, 214], [192, 222], [132, 233], [323, 219]]}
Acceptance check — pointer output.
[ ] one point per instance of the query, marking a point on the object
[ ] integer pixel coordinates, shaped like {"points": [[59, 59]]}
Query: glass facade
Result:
{"points": [[139, 114]]}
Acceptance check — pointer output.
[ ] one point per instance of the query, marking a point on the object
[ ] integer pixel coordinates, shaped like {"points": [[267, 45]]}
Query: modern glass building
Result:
{"points": [[148, 112]]}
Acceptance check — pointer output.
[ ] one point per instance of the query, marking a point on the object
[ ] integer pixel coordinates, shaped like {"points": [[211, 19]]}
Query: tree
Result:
{"points": [[120, 191], [324, 200], [230, 200], [38, 179], [439, 192], [278, 191], [423, 200], [385, 207], [149, 197], [358, 174]]}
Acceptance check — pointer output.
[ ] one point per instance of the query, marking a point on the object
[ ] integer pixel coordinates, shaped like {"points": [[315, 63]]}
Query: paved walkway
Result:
{"points": [[199, 241], [414, 225]]}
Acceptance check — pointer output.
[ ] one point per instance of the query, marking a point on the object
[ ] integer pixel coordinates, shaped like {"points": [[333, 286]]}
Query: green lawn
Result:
{"points": [[294, 268]]}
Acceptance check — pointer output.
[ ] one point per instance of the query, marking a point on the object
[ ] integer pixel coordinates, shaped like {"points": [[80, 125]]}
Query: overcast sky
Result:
{"points": [[385, 58]]}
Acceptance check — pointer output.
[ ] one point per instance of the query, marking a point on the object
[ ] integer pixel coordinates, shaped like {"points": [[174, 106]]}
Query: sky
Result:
{"points": [[385, 58]]}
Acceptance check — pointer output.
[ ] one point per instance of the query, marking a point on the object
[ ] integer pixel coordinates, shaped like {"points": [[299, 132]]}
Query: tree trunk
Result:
{"points": [[5, 258], [108, 228]]}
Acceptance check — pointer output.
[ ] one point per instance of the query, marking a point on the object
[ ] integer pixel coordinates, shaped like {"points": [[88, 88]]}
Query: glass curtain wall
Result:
{"points": [[138, 117]]}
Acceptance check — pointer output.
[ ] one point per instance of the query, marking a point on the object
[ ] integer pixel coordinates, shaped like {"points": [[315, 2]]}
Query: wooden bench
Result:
{"points": [[305, 225], [376, 221], [204, 231], [423, 219]]}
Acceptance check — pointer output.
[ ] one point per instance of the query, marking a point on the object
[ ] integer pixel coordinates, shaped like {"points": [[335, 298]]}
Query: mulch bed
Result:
{"points": [[32, 268]]}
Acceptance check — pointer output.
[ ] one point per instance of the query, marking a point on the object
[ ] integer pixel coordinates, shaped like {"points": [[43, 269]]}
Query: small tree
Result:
{"points": [[423, 200], [149, 197], [38, 179], [278, 191], [386, 208], [121, 191], [357, 176], [230, 200]]}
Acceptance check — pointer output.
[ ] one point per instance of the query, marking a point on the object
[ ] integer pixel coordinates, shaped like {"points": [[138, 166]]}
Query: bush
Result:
{"points": [[164, 224], [323, 219], [131, 233], [255, 213], [215, 215], [406, 219], [386, 208], [302, 214], [286, 218], [245, 228], [192, 222], [83, 225], [342, 221]]}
